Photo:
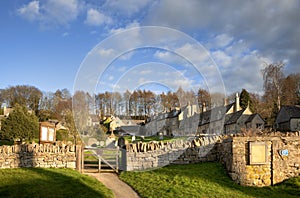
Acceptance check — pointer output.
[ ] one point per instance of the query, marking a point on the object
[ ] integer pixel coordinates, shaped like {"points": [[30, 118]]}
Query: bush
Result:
{"points": [[20, 124], [62, 135]]}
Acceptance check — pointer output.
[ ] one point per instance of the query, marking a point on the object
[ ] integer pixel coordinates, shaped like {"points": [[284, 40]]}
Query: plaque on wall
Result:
{"points": [[258, 153], [47, 132]]}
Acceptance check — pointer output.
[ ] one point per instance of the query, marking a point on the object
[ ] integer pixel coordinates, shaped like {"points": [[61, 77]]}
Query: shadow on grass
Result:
{"points": [[38, 182], [198, 180], [214, 173]]}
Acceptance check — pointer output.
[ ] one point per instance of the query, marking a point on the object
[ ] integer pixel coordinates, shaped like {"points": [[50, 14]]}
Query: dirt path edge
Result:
{"points": [[112, 181]]}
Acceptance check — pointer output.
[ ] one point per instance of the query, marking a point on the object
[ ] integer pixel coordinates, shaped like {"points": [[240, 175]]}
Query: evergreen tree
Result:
{"points": [[244, 99], [20, 124]]}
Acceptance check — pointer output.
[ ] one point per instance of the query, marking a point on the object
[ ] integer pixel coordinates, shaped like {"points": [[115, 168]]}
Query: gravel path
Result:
{"points": [[112, 181]]}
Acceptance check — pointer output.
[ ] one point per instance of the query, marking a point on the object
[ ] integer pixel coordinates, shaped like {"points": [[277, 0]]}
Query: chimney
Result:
{"points": [[225, 102], [237, 103], [4, 109], [203, 107]]}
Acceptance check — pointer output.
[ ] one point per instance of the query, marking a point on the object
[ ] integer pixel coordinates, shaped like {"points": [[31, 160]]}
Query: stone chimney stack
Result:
{"points": [[203, 107], [225, 102], [4, 109], [237, 103]]}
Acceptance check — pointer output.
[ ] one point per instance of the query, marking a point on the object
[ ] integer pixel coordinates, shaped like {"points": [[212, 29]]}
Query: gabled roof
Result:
{"points": [[288, 112], [251, 117], [233, 117], [214, 114], [174, 113], [293, 111]]}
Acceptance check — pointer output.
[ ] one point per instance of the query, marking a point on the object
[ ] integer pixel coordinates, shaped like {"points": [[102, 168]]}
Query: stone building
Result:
{"points": [[288, 119], [187, 121], [228, 119], [178, 122]]}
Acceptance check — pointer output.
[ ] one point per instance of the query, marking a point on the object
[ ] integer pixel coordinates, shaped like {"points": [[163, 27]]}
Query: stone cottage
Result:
{"points": [[288, 119], [228, 119], [187, 121], [178, 122]]}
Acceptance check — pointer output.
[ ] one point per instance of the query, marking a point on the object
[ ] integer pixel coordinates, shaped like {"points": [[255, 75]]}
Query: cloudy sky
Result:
{"points": [[56, 44]]}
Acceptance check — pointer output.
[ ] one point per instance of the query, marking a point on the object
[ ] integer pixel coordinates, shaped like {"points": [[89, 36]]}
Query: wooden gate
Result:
{"points": [[101, 159]]}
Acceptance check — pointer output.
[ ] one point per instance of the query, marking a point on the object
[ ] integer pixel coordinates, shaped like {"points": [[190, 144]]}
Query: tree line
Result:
{"points": [[138, 104]]}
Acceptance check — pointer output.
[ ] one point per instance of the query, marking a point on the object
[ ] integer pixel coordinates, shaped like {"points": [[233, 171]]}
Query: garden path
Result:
{"points": [[112, 181]]}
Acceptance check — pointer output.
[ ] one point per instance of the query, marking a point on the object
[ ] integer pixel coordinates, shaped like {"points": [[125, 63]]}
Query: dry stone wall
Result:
{"points": [[277, 168], [232, 151], [143, 156], [38, 155]]}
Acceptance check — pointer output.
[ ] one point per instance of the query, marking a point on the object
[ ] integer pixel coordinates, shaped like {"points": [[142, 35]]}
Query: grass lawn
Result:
{"points": [[38, 182], [201, 180]]}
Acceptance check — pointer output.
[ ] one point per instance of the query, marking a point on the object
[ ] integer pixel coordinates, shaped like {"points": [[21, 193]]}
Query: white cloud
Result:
{"points": [[106, 52], [177, 79], [191, 51], [272, 27], [60, 11], [110, 78], [51, 12], [168, 57], [121, 69], [30, 11], [65, 34], [220, 41], [96, 18], [222, 59], [127, 7], [134, 24]]}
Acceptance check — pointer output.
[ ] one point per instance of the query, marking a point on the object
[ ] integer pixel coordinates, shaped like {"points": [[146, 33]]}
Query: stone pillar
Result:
{"points": [[79, 158]]}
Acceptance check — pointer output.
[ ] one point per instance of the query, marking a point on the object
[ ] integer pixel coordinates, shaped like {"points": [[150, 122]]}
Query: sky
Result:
{"points": [[116, 45]]}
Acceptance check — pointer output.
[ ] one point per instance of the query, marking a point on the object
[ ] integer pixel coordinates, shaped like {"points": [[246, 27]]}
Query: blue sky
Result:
{"points": [[44, 42]]}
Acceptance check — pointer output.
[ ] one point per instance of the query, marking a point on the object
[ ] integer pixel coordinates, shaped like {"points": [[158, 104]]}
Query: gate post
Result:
{"points": [[79, 158]]}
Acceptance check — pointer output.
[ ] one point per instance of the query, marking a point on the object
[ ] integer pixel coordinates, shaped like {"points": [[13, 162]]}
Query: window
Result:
{"points": [[258, 125]]}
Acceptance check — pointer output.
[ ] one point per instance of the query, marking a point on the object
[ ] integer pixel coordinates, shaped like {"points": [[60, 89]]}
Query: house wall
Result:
{"points": [[282, 116], [172, 126], [256, 120], [189, 125], [230, 129], [151, 127], [161, 124], [284, 126], [247, 111], [216, 127], [240, 124], [203, 128], [295, 124]]}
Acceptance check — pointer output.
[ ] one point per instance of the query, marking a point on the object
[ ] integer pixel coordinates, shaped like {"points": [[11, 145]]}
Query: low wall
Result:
{"points": [[232, 151], [38, 155], [277, 167], [142, 156]]}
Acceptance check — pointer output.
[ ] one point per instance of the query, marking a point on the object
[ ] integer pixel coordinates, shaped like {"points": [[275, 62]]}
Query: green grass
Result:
{"points": [[38, 182], [201, 180]]}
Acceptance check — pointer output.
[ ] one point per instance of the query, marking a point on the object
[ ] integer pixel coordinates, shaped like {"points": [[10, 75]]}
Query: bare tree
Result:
{"points": [[290, 90], [203, 98], [273, 77], [23, 95]]}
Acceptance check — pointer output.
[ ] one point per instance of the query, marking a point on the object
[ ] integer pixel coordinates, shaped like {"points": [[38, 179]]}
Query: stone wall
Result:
{"points": [[38, 155], [142, 156], [277, 167], [232, 151]]}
